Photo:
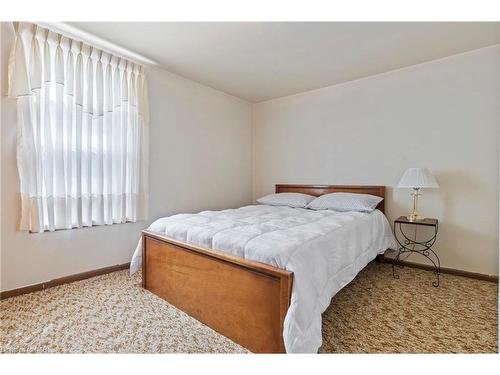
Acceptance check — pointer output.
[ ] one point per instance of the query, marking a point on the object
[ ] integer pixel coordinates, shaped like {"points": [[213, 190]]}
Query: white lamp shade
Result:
{"points": [[418, 178]]}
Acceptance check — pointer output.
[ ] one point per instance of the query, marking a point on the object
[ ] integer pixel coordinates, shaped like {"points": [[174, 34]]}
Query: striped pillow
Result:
{"points": [[345, 202], [296, 200]]}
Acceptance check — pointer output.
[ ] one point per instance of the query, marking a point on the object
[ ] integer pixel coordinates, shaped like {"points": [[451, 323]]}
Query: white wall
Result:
{"points": [[442, 115], [200, 157], [200, 147]]}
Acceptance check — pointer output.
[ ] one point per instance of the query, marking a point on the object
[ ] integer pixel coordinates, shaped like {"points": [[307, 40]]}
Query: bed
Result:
{"points": [[262, 275]]}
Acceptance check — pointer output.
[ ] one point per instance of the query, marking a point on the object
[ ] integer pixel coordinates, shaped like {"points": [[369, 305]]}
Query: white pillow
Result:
{"points": [[345, 202], [296, 200]]}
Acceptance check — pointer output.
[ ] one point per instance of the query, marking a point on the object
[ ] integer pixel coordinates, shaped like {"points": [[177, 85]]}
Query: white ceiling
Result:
{"points": [[259, 61]]}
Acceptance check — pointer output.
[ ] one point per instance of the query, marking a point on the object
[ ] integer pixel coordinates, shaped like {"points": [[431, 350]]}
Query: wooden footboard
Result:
{"points": [[243, 300]]}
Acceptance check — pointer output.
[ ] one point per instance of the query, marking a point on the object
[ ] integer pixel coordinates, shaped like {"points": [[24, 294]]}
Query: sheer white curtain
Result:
{"points": [[82, 132]]}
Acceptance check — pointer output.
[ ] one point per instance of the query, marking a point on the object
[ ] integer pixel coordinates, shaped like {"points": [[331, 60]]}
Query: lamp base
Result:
{"points": [[415, 216]]}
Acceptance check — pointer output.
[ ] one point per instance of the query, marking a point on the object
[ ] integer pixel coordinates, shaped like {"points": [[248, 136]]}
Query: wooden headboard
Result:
{"points": [[318, 190]]}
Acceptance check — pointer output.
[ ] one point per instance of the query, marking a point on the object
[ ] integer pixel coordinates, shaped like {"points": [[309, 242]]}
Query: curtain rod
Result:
{"points": [[75, 33]]}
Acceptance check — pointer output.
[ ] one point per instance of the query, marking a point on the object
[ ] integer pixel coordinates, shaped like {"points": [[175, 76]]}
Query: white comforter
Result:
{"points": [[324, 249]]}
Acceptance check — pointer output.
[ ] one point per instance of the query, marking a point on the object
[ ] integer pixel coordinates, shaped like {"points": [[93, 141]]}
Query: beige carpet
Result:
{"points": [[375, 313]]}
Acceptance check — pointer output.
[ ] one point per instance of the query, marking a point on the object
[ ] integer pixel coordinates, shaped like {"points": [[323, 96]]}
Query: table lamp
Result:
{"points": [[417, 178]]}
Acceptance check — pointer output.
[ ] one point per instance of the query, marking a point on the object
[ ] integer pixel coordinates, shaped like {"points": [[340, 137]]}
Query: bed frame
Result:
{"points": [[243, 300]]}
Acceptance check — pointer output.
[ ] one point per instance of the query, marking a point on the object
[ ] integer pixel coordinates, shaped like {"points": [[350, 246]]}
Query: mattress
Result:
{"points": [[324, 249]]}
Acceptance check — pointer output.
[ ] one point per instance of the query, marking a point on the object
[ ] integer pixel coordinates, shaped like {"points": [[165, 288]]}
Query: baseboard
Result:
{"points": [[62, 280], [119, 267], [451, 271]]}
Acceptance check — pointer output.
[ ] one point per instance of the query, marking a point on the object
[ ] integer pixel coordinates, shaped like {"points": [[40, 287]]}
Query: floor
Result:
{"points": [[378, 314], [373, 314]]}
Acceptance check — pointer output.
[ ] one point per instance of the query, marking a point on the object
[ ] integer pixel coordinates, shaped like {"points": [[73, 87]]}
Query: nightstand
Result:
{"points": [[409, 246]]}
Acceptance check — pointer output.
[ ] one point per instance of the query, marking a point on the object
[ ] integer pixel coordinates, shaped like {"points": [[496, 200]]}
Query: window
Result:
{"points": [[82, 132]]}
